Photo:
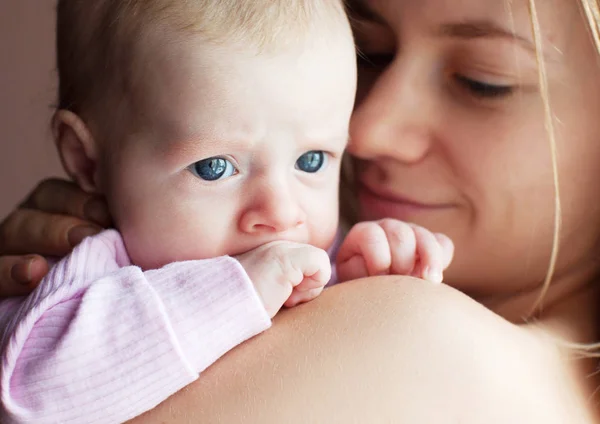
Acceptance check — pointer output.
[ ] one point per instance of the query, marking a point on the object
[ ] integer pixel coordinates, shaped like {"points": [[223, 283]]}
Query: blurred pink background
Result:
{"points": [[27, 93]]}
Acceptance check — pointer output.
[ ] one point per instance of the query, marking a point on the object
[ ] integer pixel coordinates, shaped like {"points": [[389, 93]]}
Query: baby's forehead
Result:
{"points": [[94, 34], [189, 86], [165, 52], [265, 26], [246, 116], [256, 131]]}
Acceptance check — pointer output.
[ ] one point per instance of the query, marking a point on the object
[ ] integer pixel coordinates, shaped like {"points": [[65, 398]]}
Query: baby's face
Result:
{"points": [[233, 150]]}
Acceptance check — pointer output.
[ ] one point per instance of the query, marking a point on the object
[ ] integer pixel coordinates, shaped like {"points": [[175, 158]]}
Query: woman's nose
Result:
{"points": [[272, 209], [395, 118]]}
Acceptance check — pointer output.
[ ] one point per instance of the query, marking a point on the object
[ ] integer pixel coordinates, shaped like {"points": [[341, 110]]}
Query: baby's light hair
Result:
{"points": [[96, 39]]}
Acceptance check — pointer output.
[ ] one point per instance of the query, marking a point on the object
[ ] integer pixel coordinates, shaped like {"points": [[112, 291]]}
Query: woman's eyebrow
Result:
{"points": [[358, 9], [483, 29]]}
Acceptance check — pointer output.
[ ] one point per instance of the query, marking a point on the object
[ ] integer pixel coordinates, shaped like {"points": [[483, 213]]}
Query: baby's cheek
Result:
{"points": [[324, 228], [146, 250], [153, 243]]}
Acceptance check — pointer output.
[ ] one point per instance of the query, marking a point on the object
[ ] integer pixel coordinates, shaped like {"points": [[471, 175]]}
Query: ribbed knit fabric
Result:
{"points": [[101, 341]]}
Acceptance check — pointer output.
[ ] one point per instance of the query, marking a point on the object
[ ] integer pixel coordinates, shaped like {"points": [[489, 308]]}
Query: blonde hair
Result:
{"points": [[96, 39], [549, 124], [591, 9], [592, 14]]}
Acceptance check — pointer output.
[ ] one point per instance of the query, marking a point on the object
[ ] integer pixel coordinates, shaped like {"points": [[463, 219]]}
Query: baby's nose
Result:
{"points": [[274, 210]]}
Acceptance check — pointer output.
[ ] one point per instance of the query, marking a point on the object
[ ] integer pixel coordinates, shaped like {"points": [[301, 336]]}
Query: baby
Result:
{"points": [[215, 129]]}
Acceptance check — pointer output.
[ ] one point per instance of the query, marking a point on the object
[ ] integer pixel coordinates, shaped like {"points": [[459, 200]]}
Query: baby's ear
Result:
{"points": [[77, 148]]}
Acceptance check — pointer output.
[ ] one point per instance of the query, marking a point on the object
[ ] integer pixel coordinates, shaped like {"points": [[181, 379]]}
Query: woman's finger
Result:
{"points": [[20, 275], [64, 197], [32, 231]]}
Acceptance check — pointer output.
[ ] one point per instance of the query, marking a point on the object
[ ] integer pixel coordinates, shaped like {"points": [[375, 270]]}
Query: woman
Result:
{"points": [[451, 131]]}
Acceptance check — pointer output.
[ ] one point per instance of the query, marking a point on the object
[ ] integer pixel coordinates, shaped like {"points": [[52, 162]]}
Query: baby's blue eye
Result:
{"points": [[213, 169], [312, 161]]}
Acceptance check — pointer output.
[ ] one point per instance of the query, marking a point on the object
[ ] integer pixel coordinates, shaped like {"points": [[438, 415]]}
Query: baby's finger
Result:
{"points": [[417, 271], [64, 197], [447, 248], [353, 269], [368, 240], [311, 283], [430, 254], [313, 264], [403, 246], [298, 297]]}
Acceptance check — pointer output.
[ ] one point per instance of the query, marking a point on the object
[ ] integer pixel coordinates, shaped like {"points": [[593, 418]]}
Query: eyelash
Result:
{"points": [[476, 88], [482, 89]]}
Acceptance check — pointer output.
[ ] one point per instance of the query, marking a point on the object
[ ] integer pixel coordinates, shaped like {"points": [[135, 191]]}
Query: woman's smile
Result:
{"points": [[379, 203]]}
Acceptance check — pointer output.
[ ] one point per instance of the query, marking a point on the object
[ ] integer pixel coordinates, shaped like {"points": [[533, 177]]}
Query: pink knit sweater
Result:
{"points": [[101, 341]]}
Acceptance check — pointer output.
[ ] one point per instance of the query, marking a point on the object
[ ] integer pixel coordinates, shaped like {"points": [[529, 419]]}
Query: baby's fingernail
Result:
{"points": [[95, 210], [315, 292], [433, 275], [21, 272], [77, 234]]}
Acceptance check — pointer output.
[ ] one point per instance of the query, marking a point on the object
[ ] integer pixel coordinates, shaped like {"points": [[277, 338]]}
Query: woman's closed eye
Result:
{"points": [[213, 169], [483, 90], [477, 88], [312, 162]]}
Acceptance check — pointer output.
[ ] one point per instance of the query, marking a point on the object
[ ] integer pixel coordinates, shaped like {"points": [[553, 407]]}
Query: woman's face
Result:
{"points": [[450, 132]]}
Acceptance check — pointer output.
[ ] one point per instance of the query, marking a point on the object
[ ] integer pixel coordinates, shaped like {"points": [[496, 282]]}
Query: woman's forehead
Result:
{"points": [[448, 8], [470, 17], [378, 10]]}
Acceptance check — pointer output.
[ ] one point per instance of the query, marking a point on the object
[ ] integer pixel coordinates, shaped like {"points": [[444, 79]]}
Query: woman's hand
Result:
{"points": [[55, 217]]}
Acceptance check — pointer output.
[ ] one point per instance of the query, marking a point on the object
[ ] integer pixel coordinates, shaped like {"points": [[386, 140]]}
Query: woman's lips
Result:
{"points": [[377, 204]]}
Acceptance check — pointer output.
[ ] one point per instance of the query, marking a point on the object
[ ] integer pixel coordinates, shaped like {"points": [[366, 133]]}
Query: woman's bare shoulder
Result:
{"points": [[387, 349]]}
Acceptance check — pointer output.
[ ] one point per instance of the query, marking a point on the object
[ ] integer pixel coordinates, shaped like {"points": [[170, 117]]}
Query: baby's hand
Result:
{"points": [[394, 247], [286, 273]]}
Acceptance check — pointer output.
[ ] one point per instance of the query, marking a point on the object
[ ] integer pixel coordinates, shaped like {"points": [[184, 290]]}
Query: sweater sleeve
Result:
{"points": [[100, 341], [333, 252]]}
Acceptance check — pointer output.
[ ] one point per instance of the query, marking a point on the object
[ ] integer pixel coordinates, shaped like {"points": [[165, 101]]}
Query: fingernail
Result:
{"points": [[433, 275], [95, 210], [77, 234], [21, 272]]}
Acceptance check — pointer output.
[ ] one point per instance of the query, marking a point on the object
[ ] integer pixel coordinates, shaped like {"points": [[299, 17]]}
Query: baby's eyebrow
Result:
{"points": [[340, 138]]}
